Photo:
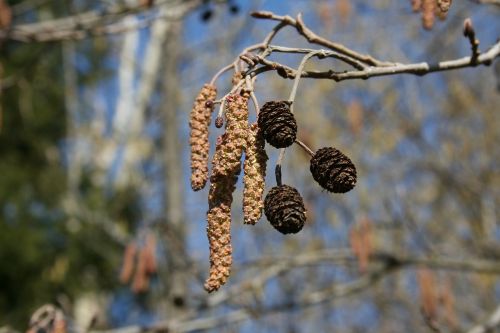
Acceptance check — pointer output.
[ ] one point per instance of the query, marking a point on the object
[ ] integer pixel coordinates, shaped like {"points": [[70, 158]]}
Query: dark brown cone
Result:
{"points": [[284, 208], [278, 124], [334, 171]]}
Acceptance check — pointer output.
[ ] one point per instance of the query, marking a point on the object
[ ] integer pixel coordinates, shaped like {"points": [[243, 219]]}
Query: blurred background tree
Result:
{"points": [[94, 163]]}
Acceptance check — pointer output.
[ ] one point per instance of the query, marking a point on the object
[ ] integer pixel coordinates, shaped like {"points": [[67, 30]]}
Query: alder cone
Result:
{"points": [[278, 124], [333, 170], [284, 208], [199, 122]]}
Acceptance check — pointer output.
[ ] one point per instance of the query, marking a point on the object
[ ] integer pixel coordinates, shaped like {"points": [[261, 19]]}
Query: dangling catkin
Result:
{"points": [[428, 13], [220, 198], [236, 133], [416, 5], [219, 237], [226, 166], [237, 77], [444, 5], [254, 176], [199, 122], [140, 282], [128, 262]]}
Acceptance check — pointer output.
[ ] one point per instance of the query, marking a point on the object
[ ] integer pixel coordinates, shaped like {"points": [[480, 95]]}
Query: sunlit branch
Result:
{"points": [[491, 324], [386, 264], [95, 22], [421, 68]]}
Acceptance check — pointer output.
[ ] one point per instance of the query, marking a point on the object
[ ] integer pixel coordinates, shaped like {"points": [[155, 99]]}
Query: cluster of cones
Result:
{"points": [[283, 205], [334, 171]]}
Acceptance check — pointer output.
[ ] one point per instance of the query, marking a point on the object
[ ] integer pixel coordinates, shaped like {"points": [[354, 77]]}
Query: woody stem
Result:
{"points": [[305, 147]]}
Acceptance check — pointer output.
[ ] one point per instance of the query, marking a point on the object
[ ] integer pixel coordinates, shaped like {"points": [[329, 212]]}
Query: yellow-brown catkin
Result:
{"points": [[229, 155], [150, 254], [140, 282], [220, 198], [128, 262], [441, 15], [226, 166], [444, 5], [222, 186], [237, 77], [254, 176], [198, 123], [219, 238], [428, 13], [416, 5]]}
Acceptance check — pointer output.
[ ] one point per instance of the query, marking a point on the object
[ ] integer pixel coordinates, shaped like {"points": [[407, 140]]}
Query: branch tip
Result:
{"points": [[468, 28], [261, 14]]}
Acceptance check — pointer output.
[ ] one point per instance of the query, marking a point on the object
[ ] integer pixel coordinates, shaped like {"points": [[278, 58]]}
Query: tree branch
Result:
{"points": [[491, 324], [384, 264], [313, 38], [94, 23], [422, 68], [488, 2]]}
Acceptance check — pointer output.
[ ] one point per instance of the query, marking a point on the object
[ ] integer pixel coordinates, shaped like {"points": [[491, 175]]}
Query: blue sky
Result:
{"points": [[371, 20]]}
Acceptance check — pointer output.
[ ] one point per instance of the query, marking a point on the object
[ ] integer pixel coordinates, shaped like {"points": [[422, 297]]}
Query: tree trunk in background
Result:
{"points": [[174, 212]]}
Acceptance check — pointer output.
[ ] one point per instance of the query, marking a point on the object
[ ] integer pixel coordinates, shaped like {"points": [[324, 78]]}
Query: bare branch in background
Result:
{"points": [[365, 65], [491, 325], [96, 23], [488, 2], [383, 265]]}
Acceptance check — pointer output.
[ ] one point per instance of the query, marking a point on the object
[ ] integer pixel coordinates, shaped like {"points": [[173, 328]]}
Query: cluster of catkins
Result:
{"points": [[430, 9], [283, 205], [139, 264]]}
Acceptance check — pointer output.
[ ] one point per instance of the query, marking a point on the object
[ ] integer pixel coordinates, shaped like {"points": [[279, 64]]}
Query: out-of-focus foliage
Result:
{"points": [[46, 255]]}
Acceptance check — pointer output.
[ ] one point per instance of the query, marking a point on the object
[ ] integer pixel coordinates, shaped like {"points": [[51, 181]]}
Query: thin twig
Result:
{"points": [[311, 37], [325, 53], [305, 147], [94, 23], [420, 69], [293, 93], [220, 72], [300, 69], [222, 100], [278, 165]]}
